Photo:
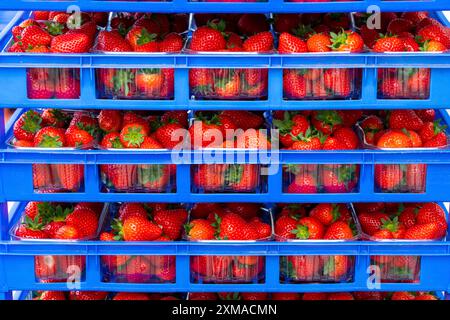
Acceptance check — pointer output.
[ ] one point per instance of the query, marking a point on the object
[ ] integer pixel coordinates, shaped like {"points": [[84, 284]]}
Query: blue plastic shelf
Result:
{"points": [[232, 7], [13, 69], [18, 264]]}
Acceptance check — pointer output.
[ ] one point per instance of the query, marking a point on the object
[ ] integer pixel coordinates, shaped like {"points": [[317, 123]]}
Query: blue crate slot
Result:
{"points": [[231, 7], [13, 68]]}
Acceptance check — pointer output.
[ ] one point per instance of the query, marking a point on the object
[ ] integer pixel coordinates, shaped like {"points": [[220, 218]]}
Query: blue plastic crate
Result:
{"points": [[17, 259], [232, 7], [13, 68]]}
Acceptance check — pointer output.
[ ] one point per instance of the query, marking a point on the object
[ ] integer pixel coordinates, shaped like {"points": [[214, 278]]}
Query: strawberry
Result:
{"points": [[410, 44], [433, 213], [110, 120], [132, 135], [427, 115], [173, 42], [407, 119], [309, 228], [402, 295], [228, 87], [70, 175], [120, 176], [419, 83], [433, 46], [31, 229], [200, 229], [431, 130], [244, 119], [131, 296], [391, 88], [439, 141], [394, 139], [112, 140], [27, 125], [170, 135], [252, 139], [35, 36], [294, 85], [303, 183], [326, 121], [326, 213], [284, 225], [68, 233], [77, 138], [210, 177], [242, 178], [370, 36], [129, 210], [260, 42], [250, 24], [319, 42], [54, 117], [207, 39], [140, 229], [347, 137], [347, 41], [85, 220], [372, 222], [181, 117], [170, 222], [340, 296], [70, 43], [142, 40], [231, 227], [112, 41], [415, 17], [388, 177], [437, 33], [291, 44], [50, 137], [339, 81], [150, 143], [338, 230], [400, 25], [426, 231], [389, 44], [286, 296], [426, 297], [286, 22]]}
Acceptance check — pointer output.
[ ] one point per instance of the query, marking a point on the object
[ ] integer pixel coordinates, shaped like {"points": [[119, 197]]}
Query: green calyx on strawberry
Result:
{"points": [[117, 230], [345, 173], [302, 232], [134, 136], [54, 28], [216, 225], [302, 31], [50, 213], [329, 117], [391, 225], [116, 144], [122, 80], [91, 129], [146, 37], [50, 142], [31, 122], [338, 39], [219, 25], [285, 125], [152, 173], [438, 127], [329, 266], [35, 224]]}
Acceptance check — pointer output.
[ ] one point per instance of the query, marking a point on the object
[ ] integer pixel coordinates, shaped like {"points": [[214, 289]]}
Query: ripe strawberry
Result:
{"points": [[286, 296], [407, 119], [338, 230], [169, 135], [130, 209], [34, 36], [431, 130], [392, 88], [150, 143], [340, 296], [309, 228], [85, 220], [326, 213], [426, 231], [70, 175], [27, 125], [261, 42], [228, 87], [433, 46], [140, 229], [410, 44], [388, 177], [326, 121], [399, 25], [252, 139], [68, 233], [200, 229], [52, 295], [284, 225], [242, 177], [347, 41], [111, 140], [437, 33], [339, 81], [389, 44], [120, 176], [291, 44], [78, 138], [50, 137], [394, 139], [319, 42], [173, 42], [110, 120], [433, 213], [427, 296], [294, 85], [210, 177], [142, 40], [286, 22], [71, 43], [303, 183], [370, 36], [402, 295], [372, 222], [131, 296], [112, 41], [171, 222], [180, 117], [31, 229], [132, 135], [415, 17], [244, 119], [207, 39]]}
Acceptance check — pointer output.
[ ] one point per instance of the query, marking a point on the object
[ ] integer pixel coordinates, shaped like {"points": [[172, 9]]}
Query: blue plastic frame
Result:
{"points": [[13, 70], [231, 7]]}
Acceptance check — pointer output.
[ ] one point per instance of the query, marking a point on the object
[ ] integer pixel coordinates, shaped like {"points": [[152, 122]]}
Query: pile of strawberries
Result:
{"points": [[403, 129], [56, 83], [317, 130], [143, 222], [139, 130], [57, 32], [321, 222], [411, 221], [232, 221], [44, 220], [225, 33], [100, 295], [319, 296], [56, 129]]}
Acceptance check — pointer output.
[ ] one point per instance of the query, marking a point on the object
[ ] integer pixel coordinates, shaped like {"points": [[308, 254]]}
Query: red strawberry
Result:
{"points": [[319, 42], [50, 137], [140, 229], [407, 119], [52, 295], [111, 140], [338, 230], [112, 41], [426, 114], [173, 42], [207, 39], [432, 213], [70, 175], [250, 24], [284, 225], [309, 228], [27, 125], [261, 42], [427, 231], [68, 233], [171, 222], [244, 119], [142, 40], [388, 177], [132, 135], [389, 44], [169, 135], [303, 183], [85, 220], [110, 120], [326, 213], [394, 139], [437, 33], [291, 44], [87, 295], [200, 229], [399, 25], [347, 41], [77, 138], [71, 43]]}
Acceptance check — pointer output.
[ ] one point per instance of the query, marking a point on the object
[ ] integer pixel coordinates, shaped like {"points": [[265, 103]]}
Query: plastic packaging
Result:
{"points": [[321, 178], [58, 177], [401, 178], [319, 268], [139, 177], [322, 84], [53, 83], [136, 84], [230, 269], [228, 178], [51, 268], [404, 83]]}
